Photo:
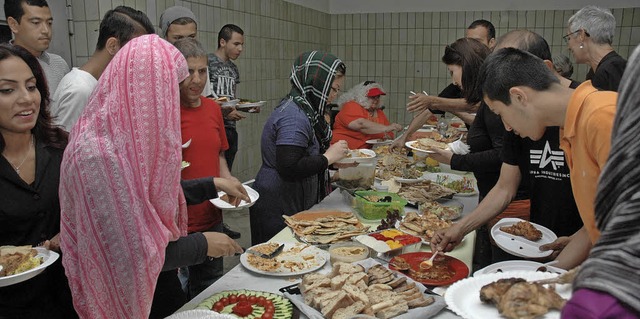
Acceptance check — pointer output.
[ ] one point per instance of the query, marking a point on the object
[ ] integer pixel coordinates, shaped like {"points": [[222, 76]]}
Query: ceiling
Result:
{"points": [[379, 6]]}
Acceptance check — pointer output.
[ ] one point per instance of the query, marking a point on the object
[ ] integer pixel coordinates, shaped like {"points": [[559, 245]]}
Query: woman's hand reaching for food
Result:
{"points": [[221, 245], [398, 144], [337, 151], [420, 102], [233, 188]]}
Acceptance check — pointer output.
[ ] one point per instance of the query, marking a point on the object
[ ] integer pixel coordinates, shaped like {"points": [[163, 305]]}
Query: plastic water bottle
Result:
{"points": [[443, 126]]}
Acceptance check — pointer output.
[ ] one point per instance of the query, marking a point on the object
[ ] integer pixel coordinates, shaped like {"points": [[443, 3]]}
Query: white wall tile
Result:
{"points": [[402, 50]]}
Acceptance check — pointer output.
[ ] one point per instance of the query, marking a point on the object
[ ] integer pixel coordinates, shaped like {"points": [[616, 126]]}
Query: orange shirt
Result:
{"points": [[586, 140], [350, 112]]}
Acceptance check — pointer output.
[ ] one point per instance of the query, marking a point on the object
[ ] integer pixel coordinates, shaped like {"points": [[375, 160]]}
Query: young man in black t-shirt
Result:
{"points": [[541, 162]]}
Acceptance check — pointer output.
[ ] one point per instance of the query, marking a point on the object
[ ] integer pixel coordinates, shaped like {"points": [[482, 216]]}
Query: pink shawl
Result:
{"points": [[120, 196]]}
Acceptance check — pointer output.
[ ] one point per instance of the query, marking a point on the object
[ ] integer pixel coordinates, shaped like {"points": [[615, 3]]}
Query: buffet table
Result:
{"points": [[241, 278]]}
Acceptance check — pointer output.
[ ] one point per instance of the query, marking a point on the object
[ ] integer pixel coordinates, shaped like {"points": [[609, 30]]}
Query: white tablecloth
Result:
{"points": [[241, 278]]}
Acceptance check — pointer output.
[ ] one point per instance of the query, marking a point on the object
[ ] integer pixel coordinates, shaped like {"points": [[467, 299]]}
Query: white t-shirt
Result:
{"points": [[71, 97]]}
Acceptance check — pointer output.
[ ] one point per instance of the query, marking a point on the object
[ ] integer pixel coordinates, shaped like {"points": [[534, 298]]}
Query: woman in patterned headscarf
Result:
{"points": [[123, 212], [295, 145], [119, 190]]}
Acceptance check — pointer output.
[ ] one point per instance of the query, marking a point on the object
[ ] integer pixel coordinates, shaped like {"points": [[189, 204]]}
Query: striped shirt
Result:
{"points": [[54, 67]]}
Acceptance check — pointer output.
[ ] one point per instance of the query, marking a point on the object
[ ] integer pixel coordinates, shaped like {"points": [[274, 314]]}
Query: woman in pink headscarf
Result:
{"points": [[120, 190]]}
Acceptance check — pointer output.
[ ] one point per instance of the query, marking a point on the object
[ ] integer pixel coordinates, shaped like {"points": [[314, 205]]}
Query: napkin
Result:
{"points": [[459, 147], [415, 313]]}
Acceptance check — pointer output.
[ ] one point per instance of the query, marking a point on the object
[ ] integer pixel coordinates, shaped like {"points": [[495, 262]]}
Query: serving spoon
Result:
{"points": [[426, 264]]}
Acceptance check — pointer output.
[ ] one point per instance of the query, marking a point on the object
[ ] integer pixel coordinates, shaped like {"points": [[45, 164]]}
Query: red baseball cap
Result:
{"points": [[375, 92]]}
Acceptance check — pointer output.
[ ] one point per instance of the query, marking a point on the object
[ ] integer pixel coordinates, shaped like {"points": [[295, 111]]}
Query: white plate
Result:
{"points": [[379, 141], [419, 150], [253, 195], [463, 297], [424, 241], [516, 265], [355, 156], [408, 180], [48, 258], [320, 257], [200, 314], [230, 103], [449, 177], [518, 245], [241, 106]]}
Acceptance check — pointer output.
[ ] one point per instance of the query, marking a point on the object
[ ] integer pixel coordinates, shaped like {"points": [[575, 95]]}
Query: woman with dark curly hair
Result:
{"points": [[29, 176]]}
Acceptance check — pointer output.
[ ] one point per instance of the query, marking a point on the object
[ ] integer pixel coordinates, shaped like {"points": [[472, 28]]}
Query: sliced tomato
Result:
{"points": [[270, 308], [218, 306], [242, 308], [225, 301], [242, 297], [233, 299], [261, 301], [267, 315], [252, 300]]}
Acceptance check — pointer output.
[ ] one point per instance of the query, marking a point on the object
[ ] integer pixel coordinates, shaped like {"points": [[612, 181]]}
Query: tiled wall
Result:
{"points": [[403, 50], [275, 33], [400, 50]]}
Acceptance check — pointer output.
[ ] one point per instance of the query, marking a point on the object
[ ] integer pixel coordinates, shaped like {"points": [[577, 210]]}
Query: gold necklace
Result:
{"points": [[17, 168]]}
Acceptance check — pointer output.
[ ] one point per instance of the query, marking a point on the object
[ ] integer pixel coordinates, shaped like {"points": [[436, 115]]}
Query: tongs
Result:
{"points": [[565, 278], [267, 256]]}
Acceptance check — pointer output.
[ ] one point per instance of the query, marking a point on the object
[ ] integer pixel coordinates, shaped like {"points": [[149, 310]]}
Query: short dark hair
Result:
{"points": [[468, 54], [511, 67], [13, 8], [486, 24], [227, 31], [44, 131], [120, 23]]}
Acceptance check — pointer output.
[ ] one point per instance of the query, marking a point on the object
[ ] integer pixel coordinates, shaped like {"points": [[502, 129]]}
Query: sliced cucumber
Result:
{"points": [[283, 307]]}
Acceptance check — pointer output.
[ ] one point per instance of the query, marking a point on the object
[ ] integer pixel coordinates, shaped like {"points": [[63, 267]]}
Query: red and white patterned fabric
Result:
{"points": [[120, 196]]}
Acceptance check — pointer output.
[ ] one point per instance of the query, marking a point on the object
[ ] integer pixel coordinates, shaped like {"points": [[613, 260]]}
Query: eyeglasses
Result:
{"points": [[566, 37]]}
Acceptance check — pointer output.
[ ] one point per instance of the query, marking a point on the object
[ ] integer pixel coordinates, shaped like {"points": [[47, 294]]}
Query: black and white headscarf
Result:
{"points": [[311, 78]]}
